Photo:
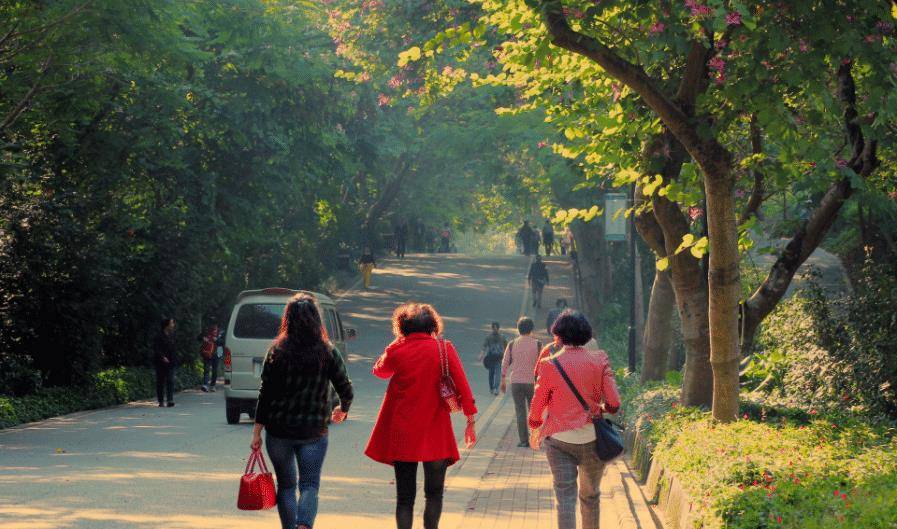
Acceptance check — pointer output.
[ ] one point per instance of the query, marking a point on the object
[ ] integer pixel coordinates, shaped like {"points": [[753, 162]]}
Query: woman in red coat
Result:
{"points": [[414, 425]]}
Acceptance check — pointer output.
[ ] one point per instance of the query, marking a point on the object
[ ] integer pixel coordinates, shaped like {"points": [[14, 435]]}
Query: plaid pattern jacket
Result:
{"points": [[295, 399]]}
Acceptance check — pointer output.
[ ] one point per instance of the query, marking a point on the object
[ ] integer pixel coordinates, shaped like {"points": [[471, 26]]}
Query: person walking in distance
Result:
{"points": [[401, 237], [538, 278], [491, 355], [208, 353], [548, 237], [559, 306], [525, 238], [414, 424], [517, 366], [561, 424], [165, 360], [294, 408], [367, 264], [445, 239]]}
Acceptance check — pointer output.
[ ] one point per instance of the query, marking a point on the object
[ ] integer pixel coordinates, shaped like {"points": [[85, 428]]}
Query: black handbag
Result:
{"points": [[608, 442]]}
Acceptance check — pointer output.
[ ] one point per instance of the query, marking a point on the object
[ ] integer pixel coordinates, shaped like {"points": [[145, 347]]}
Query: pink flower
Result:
{"points": [[717, 63], [720, 78], [841, 162], [657, 27], [698, 10], [721, 44], [577, 13], [804, 47], [884, 27], [615, 88], [395, 81], [733, 18], [872, 38], [694, 212], [739, 193], [382, 100], [448, 70], [542, 144]]}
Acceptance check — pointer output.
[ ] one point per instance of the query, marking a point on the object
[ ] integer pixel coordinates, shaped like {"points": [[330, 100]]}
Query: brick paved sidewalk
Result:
{"points": [[516, 492]]}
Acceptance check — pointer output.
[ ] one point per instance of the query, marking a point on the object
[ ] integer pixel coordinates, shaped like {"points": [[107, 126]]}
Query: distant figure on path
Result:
{"points": [[294, 408], [524, 238], [553, 314], [566, 430], [548, 237], [445, 239], [165, 360], [208, 349], [535, 239], [538, 278], [566, 241], [520, 359], [367, 264], [414, 425], [401, 236], [491, 356]]}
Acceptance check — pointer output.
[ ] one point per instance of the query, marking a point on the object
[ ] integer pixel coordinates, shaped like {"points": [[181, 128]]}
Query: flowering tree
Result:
{"points": [[710, 106]]}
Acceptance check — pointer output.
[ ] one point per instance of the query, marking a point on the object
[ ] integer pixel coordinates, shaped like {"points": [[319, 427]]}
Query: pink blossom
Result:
{"points": [[615, 88], [717, 63], [721, 44], [739, 193], [733, 18], [395, 81], [720, 78], [577, 13], [884, 27], [382, 100], [841, 162], [657, 27], [872, 38], [491, 64], [542, 144], [698, 10], [851, 18], [804, 47], [448, 70], [695, 212]]}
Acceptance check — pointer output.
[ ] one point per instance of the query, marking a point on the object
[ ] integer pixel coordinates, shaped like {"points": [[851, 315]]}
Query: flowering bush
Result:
{"points": [[778, 473]]}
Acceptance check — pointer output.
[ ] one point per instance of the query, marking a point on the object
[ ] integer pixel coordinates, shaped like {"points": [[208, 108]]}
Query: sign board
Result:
{"points": [[615, 220]]}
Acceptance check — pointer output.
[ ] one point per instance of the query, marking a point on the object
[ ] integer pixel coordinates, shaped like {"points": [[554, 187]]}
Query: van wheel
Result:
{"points": [[233, 413]]}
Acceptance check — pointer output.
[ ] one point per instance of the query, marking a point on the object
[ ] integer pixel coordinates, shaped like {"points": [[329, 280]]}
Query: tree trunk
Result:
{"points": [[723, 283], [658, 337], [588, 247], [639, 303]]}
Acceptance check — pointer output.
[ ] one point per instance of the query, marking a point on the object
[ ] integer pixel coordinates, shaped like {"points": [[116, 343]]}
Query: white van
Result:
{"points": [[254, 323]]}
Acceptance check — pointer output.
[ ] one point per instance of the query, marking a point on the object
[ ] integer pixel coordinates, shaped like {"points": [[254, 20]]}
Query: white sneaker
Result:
{"points": [[205, 389], [212, 389]]}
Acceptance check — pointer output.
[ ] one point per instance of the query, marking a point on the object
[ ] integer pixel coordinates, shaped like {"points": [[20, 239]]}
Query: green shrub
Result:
{"points": [[826, 355], [106, 388], [777, 473]]}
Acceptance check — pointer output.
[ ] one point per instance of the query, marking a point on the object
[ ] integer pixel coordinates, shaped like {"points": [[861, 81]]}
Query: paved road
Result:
{"points": [[145, 467]]}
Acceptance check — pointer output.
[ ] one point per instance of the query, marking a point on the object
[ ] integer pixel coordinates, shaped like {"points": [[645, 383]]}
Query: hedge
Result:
{"points": [[774, 467], [107, 388]]}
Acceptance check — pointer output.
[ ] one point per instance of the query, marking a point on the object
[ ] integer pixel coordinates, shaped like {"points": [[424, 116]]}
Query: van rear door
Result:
{"points": [[255, 326]]}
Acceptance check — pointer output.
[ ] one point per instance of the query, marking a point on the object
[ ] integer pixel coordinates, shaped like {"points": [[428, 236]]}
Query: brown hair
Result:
{"points": [[302, 339], [416, 317]]}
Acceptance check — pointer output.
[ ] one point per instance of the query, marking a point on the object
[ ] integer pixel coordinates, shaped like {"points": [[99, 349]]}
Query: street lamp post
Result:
{"points": [[618, 227]]}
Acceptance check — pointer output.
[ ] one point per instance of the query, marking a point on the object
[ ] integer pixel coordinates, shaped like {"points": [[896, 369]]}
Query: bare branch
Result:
{"points": [[757, 192], [17, 111]]}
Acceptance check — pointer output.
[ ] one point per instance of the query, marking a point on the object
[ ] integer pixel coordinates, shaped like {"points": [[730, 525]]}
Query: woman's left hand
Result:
{"points": [[470, 434], [256, 443], [338, 416]]}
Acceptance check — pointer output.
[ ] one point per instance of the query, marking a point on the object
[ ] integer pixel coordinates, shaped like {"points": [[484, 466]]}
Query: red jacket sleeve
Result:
{"points": [[384, 367], [609, 389], [456, 370], [541, 396]]}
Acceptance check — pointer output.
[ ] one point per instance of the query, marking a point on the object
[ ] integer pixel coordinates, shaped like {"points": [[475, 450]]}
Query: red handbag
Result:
{"points": [[257, 490], [447, 389]]}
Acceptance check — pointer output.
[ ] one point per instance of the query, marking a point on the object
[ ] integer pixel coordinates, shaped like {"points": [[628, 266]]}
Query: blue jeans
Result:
{"points": [[210, 371], [286, 455], [495, 376]]}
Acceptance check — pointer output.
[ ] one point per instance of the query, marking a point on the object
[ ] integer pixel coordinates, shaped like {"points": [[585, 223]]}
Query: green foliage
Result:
{"points": [[776, 473], [827, 354], [106, 388]]}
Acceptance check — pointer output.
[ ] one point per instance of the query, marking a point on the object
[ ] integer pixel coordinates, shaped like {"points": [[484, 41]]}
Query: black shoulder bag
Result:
{"points": [[608, 443]]}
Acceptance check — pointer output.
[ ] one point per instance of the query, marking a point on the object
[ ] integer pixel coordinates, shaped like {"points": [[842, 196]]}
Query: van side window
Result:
{"points": [[333, 329]]}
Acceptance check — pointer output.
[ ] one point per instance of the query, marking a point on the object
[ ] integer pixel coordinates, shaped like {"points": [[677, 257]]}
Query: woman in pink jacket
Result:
{"points": [[561, 424]]}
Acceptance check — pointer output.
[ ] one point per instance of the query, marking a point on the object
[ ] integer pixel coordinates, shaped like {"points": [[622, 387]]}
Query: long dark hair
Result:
{"points": [[302, 339]]}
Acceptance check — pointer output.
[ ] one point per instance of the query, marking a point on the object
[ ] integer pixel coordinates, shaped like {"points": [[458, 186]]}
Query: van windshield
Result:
{"points": [[258, 320]]}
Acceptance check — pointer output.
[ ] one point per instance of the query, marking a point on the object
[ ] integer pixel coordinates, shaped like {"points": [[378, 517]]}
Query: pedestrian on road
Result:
{"points": [[548, 237], [564, 427], [414, 424], [367, 264], [208, 353], [553, 314], [445, 239], [518, 366], [566, 241], [525, 238], [165, 360], [294, 408], [401, 236], [538, 278], [491, 355]]}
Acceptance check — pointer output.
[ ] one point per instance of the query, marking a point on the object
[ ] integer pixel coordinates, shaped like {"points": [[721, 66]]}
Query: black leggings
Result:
{"points": [[406, 490]]}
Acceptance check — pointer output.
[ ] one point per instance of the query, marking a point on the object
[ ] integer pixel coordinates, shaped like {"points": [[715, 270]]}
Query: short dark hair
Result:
{"points": [[496, 325], [164, 323], [560, 301], [525, 325], [572, 327], [416, 317]]}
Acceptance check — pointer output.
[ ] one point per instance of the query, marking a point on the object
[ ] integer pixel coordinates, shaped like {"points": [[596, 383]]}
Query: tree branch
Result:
{"points": [[758, 190], [17, 111]]}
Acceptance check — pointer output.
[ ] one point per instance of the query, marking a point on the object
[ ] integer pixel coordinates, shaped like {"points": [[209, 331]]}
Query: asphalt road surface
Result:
{"points": [[140, 466]]}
